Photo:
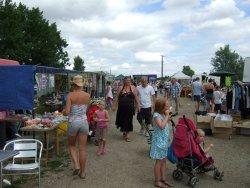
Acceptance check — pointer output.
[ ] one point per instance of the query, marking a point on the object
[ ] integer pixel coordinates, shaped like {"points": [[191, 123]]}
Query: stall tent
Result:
{"points": [[17, 85]]}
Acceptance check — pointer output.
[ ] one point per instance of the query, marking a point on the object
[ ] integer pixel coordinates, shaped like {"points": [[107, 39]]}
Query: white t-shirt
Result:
{"points": [[145, 94], [109, 92], [217, 97]]}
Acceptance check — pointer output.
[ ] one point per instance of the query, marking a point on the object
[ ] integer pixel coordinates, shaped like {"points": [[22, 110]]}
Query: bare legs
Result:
{"points": [[160, 174], [82, 140], [73, 151], [197, 106], [78, 157]]}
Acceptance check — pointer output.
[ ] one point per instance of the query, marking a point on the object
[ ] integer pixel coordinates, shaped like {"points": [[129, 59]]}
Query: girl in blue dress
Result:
{"points": [[160, 141]]}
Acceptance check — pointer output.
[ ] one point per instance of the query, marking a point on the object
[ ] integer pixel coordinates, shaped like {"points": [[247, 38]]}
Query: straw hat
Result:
{"points": [[78, 80]]}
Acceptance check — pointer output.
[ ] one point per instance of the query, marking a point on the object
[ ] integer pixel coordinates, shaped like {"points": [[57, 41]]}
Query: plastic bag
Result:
{"points": [[170, 155]]}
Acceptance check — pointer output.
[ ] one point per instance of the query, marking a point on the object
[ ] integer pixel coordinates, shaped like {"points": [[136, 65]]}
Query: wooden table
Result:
{"points": [[5, 155], [52, 131]]}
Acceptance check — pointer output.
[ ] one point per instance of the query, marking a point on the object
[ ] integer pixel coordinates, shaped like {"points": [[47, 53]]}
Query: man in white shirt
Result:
{"points": [[146, 94]]}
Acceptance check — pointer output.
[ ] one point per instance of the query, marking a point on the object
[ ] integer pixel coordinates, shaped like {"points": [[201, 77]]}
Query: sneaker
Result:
{"points": [[141, 132], [146, 134], [150, 127], [18, 135]]}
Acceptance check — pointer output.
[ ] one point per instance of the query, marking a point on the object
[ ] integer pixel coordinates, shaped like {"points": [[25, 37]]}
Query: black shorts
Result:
{"points": [[197, 98], [217, 107], [146, 115]]}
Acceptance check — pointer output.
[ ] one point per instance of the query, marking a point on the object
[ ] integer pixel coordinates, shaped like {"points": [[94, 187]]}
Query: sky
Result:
{"points": [[129, 36]]}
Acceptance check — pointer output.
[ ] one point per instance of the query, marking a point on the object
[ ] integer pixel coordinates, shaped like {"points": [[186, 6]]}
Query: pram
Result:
{"points": [[90, 116], [191, 158]]}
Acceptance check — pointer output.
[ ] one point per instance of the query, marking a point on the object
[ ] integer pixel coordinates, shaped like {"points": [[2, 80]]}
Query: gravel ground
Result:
{"points": [[127, 165]]}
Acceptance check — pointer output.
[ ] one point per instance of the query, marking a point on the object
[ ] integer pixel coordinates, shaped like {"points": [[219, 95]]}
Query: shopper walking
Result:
{"points": [[146, 95], [78, 129], [127, 102], [197, 91], [175, 92]]}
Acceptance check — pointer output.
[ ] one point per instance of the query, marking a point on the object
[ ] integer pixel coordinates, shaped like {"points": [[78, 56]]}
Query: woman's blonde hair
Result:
{"points": [[160, 105], [74, 87]]}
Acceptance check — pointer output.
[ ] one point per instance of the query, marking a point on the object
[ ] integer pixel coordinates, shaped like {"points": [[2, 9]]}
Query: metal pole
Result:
{"points": [[162, 66]]}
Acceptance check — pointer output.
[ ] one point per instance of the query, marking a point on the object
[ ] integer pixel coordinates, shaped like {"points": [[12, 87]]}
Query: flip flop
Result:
{"points": [[82, 177], [162, 185], [166, 183], [76, 172], [127, 140]]}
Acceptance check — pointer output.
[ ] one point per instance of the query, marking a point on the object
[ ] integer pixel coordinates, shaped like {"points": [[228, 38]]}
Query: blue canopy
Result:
{"points": [[16, 87]]}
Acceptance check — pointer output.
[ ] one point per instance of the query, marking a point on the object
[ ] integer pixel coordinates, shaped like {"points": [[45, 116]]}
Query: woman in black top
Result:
{"points": [[127, 100]]}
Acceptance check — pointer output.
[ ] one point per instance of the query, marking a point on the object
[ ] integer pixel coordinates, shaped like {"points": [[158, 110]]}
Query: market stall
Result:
{"points": [[20, 87]]}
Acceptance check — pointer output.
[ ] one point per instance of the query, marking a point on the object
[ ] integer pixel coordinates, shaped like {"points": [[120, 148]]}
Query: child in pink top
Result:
{"points": [[101, 117]]}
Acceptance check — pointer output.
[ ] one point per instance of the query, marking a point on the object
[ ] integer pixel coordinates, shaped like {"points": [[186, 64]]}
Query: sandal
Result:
{"points": [[160, 184], [124, 136], [76, 172], [82, 177], [166, 183], [127, 139]]}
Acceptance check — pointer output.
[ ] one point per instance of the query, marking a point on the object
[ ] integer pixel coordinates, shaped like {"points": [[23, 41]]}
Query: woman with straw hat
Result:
{"points": [[78, 129]]}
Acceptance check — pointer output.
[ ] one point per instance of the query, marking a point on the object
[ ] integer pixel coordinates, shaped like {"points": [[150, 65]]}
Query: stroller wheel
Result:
{"points": [[193, 181], [218, 175], [177, 175]]}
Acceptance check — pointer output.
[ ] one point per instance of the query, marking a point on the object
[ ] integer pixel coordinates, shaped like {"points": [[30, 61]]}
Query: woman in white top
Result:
{"points": [[109, 96]]}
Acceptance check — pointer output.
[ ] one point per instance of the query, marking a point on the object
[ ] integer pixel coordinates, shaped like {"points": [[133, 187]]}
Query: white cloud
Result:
{"points": [[113, 34], [148, 56]]}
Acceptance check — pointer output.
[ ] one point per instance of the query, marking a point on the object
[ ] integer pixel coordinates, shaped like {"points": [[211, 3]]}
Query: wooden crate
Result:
{"points": [[224, 133], [244, 128], [203, 125], [223, 124], [236, 117]]}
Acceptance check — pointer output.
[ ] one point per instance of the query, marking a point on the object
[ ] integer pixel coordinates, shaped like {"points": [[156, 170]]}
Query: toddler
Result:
{"points": [[101, 117], [201, 140]]}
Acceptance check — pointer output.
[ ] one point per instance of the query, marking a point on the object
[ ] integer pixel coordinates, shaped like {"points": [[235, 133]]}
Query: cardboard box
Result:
{"points": [[236, 117], [203, 119], [223, 124], [203, 125], [222, 133]]}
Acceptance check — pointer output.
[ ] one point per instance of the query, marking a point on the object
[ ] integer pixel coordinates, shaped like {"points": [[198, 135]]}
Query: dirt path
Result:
{"points": [[127, 165]]}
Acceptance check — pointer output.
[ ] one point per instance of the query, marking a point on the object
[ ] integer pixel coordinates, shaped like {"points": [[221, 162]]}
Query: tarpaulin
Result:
{"points": [[16, 87]]}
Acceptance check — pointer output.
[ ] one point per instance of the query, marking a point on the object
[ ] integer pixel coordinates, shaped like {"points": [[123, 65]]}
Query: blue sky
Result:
{"points": [[128, 36]]}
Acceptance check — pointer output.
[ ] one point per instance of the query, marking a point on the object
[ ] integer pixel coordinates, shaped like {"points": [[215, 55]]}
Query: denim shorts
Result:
{"points": [[78, 126]]}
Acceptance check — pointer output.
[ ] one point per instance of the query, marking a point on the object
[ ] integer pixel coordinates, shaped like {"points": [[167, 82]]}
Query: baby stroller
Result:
{"points": [[90, 116], [191, 157]]}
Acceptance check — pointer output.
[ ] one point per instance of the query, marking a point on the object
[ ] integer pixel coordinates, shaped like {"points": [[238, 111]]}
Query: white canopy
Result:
{"points": [[181, 76]]}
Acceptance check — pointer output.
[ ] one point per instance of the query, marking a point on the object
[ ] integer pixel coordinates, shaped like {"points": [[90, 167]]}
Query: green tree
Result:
{"points": [[79, 64], [227, 60], [29, 38], [188, 71]]}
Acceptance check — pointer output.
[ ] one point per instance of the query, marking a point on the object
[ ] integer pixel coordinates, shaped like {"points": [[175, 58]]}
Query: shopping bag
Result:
{"points": [[170, 155]]}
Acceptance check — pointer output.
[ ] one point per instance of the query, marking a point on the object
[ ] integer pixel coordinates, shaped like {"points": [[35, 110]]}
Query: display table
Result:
{"points": [[5, 155], [48, 133]]}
